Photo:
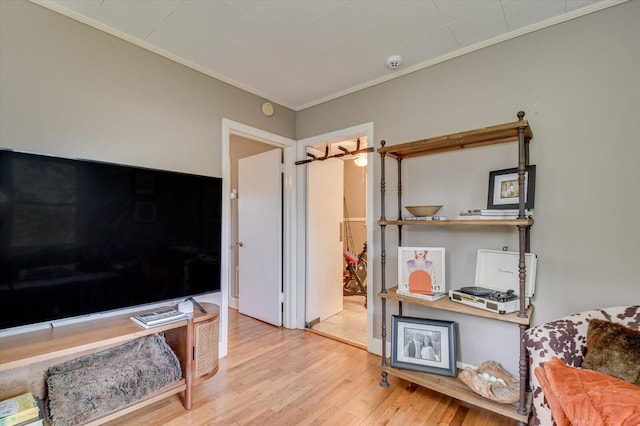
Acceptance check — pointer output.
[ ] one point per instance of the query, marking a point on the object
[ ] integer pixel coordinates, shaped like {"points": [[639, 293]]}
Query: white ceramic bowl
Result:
{"points": [[417, 211]]}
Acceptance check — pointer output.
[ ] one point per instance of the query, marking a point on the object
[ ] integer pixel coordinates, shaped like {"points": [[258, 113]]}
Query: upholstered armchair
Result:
{"points": [[566, 338]]}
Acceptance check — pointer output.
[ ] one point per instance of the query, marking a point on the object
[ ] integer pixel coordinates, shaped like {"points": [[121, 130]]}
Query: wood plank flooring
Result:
{"points": [[276, 376], [349, 325]]}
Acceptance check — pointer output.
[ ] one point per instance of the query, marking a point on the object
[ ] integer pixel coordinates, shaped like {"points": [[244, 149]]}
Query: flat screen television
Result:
{"points": [[79, 237]]}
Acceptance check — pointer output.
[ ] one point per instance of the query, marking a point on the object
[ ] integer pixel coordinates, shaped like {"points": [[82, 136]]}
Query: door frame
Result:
{"points": [[353, 132], [289, 242]]}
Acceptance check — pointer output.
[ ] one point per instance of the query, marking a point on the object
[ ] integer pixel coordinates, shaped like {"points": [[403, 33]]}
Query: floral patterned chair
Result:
{"points": [[566, 338]]}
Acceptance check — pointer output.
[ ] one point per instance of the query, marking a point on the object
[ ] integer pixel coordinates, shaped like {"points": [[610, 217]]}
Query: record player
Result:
{"points": [[497, 282]]}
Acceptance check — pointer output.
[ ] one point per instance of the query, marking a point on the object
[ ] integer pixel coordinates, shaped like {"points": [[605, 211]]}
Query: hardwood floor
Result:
{"points": [[276, 376], [349, 325]]}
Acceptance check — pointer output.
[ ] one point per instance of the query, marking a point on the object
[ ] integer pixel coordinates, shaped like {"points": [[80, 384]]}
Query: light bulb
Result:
{"points": [[361, 160]]}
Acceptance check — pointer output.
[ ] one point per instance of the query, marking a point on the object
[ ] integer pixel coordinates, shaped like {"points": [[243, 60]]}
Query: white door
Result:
{"points": [[260, 236], [324, 243]]}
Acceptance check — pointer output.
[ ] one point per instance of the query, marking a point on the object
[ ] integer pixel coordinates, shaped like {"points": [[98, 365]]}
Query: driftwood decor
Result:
{"points": [[492, 381]]}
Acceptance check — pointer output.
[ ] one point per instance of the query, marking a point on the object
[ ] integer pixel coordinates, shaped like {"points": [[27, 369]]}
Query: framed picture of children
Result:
{"points": [[421, 270], [423, 345]]}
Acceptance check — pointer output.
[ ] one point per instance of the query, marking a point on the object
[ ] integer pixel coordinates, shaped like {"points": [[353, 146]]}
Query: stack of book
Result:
{"points": [[403, 289], [21, 410], [428, 297], [495, 214], [424, 218], [158, 317]]}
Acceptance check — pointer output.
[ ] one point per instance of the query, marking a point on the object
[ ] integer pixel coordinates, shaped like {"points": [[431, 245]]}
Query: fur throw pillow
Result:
{"points": [[613, 349]]}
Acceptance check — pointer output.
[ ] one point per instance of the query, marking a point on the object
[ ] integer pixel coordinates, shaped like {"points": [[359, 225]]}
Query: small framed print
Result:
{"points": [[504, 190], [421, 270], [423, 345]]}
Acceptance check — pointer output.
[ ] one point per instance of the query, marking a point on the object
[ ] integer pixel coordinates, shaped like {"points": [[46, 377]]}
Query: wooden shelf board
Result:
{"points": [[41, 345], [477, 222], [447, 305], [455, 388], [469, 139], [179, 386]]}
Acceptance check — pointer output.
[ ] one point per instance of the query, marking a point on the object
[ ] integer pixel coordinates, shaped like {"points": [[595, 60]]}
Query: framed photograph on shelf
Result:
{"points": [[421, 270], [423, 345], [504, 191]]}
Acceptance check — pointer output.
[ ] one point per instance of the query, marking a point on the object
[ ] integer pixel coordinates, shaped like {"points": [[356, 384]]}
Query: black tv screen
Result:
{"points": [[79, 237]]}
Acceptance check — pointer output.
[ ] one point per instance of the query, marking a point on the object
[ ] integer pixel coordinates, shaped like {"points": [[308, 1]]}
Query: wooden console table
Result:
{"points": [[24, 358]]}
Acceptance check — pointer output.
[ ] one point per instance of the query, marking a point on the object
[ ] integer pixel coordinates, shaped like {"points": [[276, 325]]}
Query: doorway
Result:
{"points": [[353, 324], [294, 274], [350, 323], [239, 147], [257, 196], [231, 129]]}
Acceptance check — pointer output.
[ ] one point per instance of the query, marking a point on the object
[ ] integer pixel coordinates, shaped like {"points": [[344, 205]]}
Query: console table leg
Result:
{"points": [[189, 365]]}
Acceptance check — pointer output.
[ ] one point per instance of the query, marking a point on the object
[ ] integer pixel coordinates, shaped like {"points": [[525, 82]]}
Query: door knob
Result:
{"points": [[239, 244]]}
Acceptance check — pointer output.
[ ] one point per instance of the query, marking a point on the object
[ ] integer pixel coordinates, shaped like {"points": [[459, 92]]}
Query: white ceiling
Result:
{"points": [[299, 53]]}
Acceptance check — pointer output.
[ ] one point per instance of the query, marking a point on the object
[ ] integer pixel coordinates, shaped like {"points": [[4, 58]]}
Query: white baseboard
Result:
{"points": [[376, 348], [233, 302], [462, 366]]}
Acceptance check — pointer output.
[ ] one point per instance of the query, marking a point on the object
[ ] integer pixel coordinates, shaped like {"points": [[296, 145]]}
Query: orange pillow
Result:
{"points": [[591, 398]]}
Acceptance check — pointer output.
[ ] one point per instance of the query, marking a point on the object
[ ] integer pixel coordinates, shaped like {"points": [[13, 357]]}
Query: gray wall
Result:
{"points": [[578, 84], [71, 90]]}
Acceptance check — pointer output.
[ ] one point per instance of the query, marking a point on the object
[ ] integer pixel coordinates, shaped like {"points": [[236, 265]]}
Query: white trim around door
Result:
{"points": [[289, 241], [361, 130]]}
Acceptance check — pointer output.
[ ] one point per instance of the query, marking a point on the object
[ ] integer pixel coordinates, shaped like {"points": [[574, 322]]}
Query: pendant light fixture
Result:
{"points": [[361, 159]]}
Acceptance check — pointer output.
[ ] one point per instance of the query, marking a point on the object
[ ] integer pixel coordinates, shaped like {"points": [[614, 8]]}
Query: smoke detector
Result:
{"points": [[393, 62]]}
